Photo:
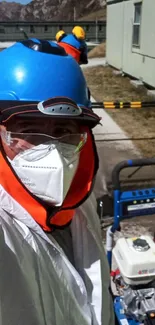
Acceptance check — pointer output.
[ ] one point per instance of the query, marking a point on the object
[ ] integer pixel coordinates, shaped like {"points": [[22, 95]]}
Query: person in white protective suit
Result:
{"points": [[54, 269]]}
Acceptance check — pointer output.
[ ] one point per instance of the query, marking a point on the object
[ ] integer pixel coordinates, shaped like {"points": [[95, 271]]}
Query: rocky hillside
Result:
{"points": [[9, 10], [49, 9]]}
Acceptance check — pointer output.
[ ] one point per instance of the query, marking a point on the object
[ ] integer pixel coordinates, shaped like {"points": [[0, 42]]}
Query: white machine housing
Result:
{"points": [[136, 266]]}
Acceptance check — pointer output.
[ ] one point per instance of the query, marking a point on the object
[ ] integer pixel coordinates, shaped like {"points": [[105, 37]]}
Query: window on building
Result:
{"points": [[46, 28], [87, 28], [32, 29], [137, 24], [2, 30]]}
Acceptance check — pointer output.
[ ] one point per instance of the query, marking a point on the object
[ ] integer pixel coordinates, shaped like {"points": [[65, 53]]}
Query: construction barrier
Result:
{"points": [[97, 105], [119, 105]]}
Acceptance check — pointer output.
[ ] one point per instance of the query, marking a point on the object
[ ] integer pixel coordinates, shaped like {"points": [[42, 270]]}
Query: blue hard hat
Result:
{"points": [[35, 70], [73, 41]]}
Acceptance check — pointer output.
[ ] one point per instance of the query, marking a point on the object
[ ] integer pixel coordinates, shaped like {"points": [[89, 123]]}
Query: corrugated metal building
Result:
{"points": [[131, 38], [10, 30]]}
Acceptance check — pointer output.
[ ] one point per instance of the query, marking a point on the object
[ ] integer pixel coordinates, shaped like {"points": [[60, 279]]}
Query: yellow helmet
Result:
{"points": [[59, 35], [79, 32]]}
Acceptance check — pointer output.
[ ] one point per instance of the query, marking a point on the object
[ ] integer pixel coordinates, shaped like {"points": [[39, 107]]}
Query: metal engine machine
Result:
{"points": [[134, 277]]}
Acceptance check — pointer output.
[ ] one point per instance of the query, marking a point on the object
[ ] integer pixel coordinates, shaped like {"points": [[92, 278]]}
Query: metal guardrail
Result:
{"points": [[123, 105]]}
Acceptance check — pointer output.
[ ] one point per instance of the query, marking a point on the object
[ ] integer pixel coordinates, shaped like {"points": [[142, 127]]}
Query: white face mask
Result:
{"points": [[45, 172]]}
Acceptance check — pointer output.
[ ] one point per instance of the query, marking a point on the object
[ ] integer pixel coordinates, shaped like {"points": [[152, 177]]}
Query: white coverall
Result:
{"points": [[38, 284]]}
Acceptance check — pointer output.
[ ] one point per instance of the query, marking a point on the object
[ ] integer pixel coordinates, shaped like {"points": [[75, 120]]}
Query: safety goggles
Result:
{"points": [[68, 145]]}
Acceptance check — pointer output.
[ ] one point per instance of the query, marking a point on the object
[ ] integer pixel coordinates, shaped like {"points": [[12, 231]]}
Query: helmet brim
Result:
{"points": [[31, 109]]}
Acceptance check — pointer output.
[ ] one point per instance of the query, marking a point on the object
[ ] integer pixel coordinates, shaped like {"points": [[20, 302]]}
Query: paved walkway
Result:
{"points": [[95, 62], [4, 45], [110, 152], [7, 44]]}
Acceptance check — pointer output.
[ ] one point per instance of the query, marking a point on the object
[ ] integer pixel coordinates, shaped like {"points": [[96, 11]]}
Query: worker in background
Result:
{"points": [[74, 44], [54, 269], [60, 35]]}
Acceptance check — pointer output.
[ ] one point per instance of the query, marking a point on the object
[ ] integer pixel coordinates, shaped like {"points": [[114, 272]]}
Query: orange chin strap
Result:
{"points": [[84, 176], [75, 53], [79, 189], [11, 184]]}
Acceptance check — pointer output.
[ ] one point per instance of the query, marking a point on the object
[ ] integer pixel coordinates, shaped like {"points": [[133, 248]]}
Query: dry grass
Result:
{"points": [[99, 15], [105, 86], [98, 51]]}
